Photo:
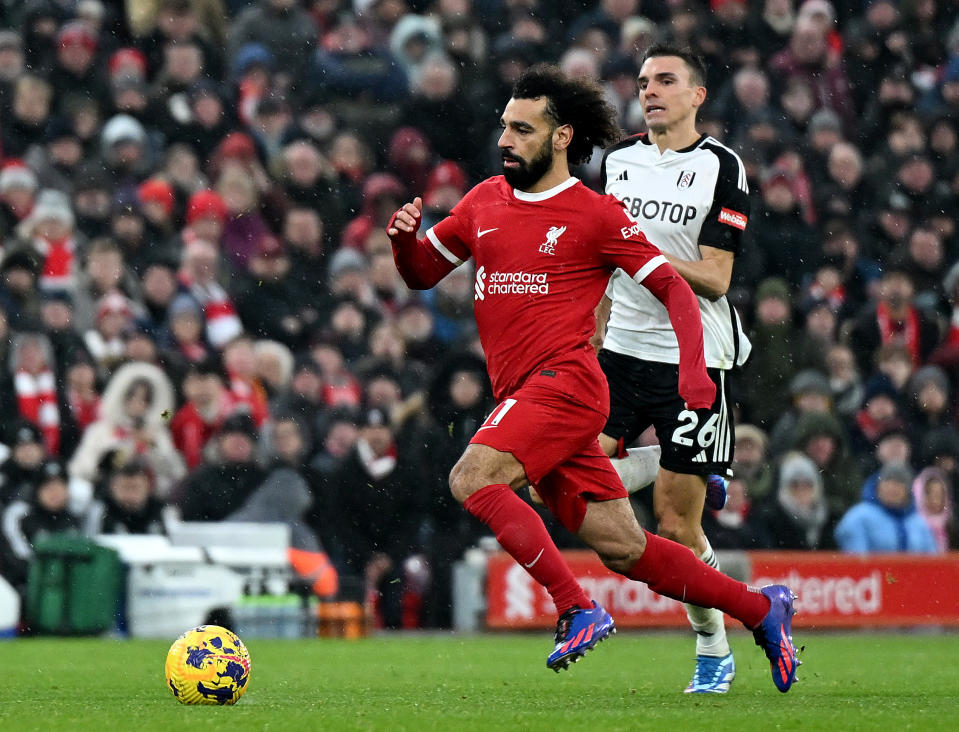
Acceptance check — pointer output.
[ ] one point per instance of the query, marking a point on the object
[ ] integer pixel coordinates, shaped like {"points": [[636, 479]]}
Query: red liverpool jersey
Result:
{"points": [[542, 262]]}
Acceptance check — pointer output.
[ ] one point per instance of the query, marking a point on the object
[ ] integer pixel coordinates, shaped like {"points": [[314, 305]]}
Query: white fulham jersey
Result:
{"points": [[681, 199]]}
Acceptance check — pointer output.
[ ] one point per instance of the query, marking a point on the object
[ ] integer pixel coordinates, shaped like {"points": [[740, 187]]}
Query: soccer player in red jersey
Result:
{"points": [[544, 246]]}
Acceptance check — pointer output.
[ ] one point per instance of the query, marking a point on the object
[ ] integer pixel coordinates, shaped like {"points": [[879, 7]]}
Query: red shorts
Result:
{"points": [[555, 439]]}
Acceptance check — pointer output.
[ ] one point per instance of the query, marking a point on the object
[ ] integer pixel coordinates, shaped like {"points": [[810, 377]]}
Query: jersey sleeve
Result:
{"points": [[424, 262], [729, 214], [650, 268]]}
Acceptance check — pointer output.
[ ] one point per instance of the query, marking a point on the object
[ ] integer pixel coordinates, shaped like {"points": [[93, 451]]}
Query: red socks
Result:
{"points": [[521, 532], [674, 571]]}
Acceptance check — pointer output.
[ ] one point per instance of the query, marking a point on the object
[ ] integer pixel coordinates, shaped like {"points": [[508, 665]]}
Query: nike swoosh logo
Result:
{"points": [[480, 232], [486, 427], [530, 565]]}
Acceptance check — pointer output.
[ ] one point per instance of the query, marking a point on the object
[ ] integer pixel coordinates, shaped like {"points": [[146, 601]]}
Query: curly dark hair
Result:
{"points": [[579, 103]]}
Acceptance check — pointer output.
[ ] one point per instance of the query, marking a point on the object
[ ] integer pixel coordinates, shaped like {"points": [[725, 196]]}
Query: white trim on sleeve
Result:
{"points": [[644, 271], [431, 235]]}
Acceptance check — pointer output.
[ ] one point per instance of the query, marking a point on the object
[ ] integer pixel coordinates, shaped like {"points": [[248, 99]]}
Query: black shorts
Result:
{"points": [[644, 393]]}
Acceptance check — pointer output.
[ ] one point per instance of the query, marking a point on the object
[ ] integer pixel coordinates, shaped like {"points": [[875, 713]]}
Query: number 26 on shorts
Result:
{"points": [[689, 421]]}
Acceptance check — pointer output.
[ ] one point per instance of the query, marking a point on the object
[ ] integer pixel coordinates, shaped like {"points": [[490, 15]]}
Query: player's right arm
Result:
{"points": [[630, 250], [710, 276], [720, 237], [424, 262]]}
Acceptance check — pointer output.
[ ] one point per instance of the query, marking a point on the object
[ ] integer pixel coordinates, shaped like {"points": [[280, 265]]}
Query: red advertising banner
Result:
{"points": [[835, 590]]}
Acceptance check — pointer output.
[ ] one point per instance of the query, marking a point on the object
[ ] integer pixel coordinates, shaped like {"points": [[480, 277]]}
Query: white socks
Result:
{"points": [[708, 622], [639, 468]]}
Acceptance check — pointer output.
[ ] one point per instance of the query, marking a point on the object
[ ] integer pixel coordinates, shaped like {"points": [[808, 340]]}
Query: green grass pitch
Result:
{"points": [[488, 682]]}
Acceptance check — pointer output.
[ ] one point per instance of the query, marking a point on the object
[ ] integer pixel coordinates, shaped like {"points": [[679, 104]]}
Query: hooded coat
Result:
{"points": [[114, 431], [788, 525]]}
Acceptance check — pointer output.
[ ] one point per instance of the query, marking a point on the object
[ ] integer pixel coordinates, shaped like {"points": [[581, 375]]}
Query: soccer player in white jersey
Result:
{"points": [[689, 194]]}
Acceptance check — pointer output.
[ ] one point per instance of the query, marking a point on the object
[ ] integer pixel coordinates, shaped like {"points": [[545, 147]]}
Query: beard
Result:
{"points": [[528, 173]]}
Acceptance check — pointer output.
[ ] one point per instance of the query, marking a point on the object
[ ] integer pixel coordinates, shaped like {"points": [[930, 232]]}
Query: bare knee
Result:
{"points": [[464, 481], [481, 466], [621, 556]]}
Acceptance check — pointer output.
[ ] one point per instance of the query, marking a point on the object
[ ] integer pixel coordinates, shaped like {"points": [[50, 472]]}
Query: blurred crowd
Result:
{"points": [[200, 315]]}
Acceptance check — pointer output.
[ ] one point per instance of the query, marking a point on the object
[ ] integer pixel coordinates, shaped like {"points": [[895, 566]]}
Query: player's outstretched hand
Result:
{"points": [[407, 219]]}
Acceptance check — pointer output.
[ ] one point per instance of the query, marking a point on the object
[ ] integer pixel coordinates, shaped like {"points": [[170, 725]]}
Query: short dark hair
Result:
{"points": [[579, 103], [694, 62]]}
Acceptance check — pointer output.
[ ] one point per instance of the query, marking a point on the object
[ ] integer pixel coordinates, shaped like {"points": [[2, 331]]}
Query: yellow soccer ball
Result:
{"points": [[208, 665]]}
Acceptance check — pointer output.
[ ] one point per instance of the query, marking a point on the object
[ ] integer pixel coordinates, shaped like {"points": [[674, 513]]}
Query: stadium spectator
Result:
{"points": [[822, 438], [284, 494], [77, 71], [56, 161], [886, 520], [750, 457], [223, 482], [20, 470], [933, 498], [893, 319], [266, 299], [246, 387], [810, 393], [25, 521], [336, 440], [136, 404], [274, 368], [49, 231], [29, 113], [809, 58], [775, 348], [57, 317], [797, 515], [18, 188], [360, 503], [105, 339], [732, 527], [198, 275], [284, 28], [128, 504], [34, 379], [103, 272], [205, 406], [80, 402], [158, 288], [929, 407]]}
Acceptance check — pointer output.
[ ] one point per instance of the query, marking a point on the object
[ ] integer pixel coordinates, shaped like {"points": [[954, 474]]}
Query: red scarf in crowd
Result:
{"points": [[37, 400], [904, 331], [251, 393], [57, 263]]}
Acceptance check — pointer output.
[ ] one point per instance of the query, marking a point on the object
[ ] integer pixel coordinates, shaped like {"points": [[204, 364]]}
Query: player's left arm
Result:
{"points": [[720, 238]]}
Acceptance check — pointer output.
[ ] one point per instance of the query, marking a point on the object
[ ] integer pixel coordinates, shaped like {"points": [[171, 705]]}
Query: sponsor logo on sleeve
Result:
{"points": [[733, 218]]}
